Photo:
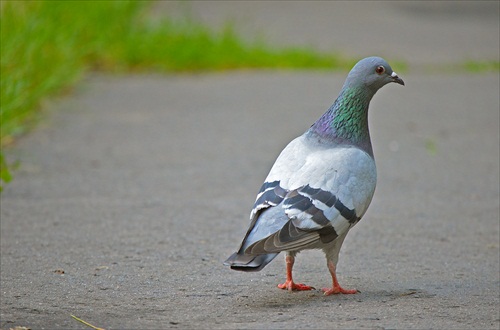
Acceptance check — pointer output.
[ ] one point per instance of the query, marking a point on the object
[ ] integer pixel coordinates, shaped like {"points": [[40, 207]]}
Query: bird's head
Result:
{"points": [[372, 72]]}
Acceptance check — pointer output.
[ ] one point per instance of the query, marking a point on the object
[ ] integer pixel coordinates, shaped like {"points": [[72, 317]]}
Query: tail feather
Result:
{"points": [[249, 263]]}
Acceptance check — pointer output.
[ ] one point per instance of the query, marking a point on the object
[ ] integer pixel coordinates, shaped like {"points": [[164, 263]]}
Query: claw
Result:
{"points": [[290, 286], [337, 290]]}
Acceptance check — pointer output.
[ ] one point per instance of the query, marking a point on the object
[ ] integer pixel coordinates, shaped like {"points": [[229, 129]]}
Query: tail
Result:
{"points": [[249, 263]]}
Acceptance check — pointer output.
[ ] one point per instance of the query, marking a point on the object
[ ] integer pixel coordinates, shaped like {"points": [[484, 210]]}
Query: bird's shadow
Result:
{"points": [[279, 299]]}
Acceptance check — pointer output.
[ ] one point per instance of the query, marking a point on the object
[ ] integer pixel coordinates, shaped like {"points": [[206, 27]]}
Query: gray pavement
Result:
{"points": [[421, 32], [136, 188]]}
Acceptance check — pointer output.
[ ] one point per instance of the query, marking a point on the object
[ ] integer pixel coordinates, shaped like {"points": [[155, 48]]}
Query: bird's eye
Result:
{"points": [[380, 69]]}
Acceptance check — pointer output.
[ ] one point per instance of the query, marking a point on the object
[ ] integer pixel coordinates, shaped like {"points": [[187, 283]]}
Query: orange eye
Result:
{"points": [[380, 69]]}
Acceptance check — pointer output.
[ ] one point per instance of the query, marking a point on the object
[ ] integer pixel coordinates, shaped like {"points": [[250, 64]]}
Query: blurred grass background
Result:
{"points": [[47, 46]]}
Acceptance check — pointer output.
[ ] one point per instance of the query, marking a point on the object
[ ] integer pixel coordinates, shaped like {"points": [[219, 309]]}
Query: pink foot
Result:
{"points": [[290, 286], [337, 290]]}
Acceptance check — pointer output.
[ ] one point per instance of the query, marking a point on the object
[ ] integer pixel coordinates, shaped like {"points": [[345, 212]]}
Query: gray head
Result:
{"points": [[373, 73], [346, 121]]}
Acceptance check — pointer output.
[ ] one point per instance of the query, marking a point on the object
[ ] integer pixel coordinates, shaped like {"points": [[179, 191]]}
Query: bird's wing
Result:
{"points": [[312, 193]]}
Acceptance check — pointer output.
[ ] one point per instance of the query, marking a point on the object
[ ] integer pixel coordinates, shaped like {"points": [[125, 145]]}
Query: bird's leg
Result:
{"points": [[289, 284], [336, 286]]}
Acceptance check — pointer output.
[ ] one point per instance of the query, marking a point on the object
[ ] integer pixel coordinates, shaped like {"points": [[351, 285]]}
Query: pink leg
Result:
{"points": [[289, 284], [336, 286]]}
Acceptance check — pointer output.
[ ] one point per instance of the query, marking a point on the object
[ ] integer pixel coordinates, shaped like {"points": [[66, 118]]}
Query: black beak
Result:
{"points": [[396, 79]]}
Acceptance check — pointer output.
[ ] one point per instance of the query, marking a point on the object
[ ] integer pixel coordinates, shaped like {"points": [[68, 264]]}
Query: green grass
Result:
{"points": [[481, 66], [47, 46], [468, 66]]}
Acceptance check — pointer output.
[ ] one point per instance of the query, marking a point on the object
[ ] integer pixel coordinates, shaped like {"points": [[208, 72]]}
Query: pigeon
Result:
{"points": [[320, 185]]}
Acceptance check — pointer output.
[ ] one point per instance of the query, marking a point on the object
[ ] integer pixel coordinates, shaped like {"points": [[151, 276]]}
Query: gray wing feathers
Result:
{"points": [[288, 237], [280, 227]]}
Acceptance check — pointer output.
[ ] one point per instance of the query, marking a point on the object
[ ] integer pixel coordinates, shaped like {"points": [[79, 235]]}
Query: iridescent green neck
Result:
{"points": [[346, 122]]}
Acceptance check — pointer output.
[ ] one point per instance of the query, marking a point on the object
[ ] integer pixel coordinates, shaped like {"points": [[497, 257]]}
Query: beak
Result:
{"points": [[396, 79]]}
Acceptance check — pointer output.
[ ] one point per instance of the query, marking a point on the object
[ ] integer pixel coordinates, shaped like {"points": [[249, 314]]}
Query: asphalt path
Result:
{"points": [[133, 191]]}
